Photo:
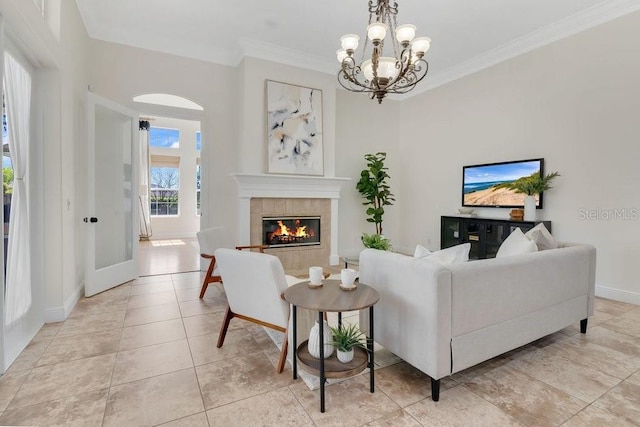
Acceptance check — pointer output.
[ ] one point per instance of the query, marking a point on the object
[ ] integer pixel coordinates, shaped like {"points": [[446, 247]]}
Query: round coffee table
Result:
{"points": [[330, 298]]}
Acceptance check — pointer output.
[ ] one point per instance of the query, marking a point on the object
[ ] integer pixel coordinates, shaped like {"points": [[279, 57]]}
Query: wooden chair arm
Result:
{"points": [[260, 247]]}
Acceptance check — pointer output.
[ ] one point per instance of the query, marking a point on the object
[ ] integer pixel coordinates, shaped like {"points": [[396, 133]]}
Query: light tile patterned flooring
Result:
{"points": [[168, 256], [144, 354]]}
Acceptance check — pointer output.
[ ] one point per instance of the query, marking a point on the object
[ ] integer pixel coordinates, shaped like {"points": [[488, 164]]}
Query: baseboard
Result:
{"points": [[618, 295], [172, 236], [59, 314]]}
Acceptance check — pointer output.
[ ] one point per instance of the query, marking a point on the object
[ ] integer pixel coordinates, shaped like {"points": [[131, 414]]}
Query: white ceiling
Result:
{"points": [[468, 35]]}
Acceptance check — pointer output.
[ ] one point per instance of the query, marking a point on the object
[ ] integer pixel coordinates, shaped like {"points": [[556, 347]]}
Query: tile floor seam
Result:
{"points": [[195, 371], [544, 420], [301, 405], [113, 368], [17, 391], [181, 418]]}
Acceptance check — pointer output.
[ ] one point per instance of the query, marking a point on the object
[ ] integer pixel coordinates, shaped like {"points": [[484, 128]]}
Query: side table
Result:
{"points": [[330, 298], [353, 260]]}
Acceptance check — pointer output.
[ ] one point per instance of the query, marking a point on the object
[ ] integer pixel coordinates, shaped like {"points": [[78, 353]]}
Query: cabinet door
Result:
{"points": [[473, 233], [450, 232], [494, 235]]}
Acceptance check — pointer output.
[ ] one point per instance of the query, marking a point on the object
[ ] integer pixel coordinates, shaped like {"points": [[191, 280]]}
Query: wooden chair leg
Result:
{"points": [[225, 324], [207, 277], [283, 353]]}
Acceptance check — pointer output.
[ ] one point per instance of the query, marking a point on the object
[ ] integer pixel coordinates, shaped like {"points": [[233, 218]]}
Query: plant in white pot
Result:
{"points": [[531, 185], [346, 338]]}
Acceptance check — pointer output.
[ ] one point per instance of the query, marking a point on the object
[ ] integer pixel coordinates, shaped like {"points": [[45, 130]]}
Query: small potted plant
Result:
{"points": [[346, 337]]}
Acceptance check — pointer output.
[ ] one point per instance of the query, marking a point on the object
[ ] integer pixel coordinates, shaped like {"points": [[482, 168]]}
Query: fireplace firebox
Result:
{"points": [[291, 231]]}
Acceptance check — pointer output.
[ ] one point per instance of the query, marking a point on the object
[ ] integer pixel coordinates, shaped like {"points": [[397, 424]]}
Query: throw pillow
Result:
{"points": [[421, 251], [544, 240], [516, 244], [452, 255]]}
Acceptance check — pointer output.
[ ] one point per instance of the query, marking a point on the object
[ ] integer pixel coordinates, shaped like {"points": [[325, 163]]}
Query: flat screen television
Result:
{"points": [[481, 183]]}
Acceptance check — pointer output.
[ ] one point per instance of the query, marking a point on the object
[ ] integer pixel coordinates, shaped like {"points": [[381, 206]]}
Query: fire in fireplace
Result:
{"points": [[291, 231]]}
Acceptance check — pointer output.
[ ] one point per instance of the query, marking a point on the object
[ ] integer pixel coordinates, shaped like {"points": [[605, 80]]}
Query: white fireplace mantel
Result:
{"points": [[287, 186]]}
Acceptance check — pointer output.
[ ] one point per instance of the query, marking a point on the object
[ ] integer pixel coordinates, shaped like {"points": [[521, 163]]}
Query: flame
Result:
{"points": [[300, 231]]}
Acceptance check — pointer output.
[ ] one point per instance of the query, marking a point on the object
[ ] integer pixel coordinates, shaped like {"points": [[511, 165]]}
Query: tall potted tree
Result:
{"points": [[375, 190]]}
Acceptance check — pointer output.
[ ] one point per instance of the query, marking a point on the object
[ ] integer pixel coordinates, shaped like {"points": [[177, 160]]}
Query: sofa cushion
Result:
{"points": [[516, 244], [544, 240], [452, 255], [421, 252]]}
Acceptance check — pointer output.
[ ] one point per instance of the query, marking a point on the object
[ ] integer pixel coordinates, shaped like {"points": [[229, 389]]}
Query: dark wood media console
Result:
{"points": [[485, 234]]}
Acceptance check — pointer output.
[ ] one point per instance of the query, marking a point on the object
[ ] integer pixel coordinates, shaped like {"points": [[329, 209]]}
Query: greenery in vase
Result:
{"points": [[376, 241], [374, 188], [346, 337], [530, 185]]}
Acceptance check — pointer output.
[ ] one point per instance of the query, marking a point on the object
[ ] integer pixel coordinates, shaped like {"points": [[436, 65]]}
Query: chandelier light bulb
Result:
{"points": [[341, 54], [367, 69], [405, 33], [387, 68], [349, 42], [377, 31], [421, 45]]}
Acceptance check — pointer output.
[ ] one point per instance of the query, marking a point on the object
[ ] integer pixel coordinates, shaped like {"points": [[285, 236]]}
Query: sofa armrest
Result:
{"points": [[413, 316]]}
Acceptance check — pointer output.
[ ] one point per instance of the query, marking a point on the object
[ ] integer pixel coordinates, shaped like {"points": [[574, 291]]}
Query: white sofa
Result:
{"points": [[443, 319]]}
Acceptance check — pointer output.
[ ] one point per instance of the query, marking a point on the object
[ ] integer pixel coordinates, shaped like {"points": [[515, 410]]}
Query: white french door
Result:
{"points": [[112, 249]]}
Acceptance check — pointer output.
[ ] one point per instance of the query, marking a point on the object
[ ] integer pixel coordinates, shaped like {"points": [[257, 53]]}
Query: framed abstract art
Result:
{"points": [[294, 129]]}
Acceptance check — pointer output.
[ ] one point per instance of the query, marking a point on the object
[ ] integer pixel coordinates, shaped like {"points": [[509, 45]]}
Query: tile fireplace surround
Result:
{"points": [[266, 195]]}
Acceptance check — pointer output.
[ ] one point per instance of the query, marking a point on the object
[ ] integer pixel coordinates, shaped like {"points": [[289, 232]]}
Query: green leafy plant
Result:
{"points": [[346, 337], [374, 188], [530, 185], [376, 241], [7, 180]]}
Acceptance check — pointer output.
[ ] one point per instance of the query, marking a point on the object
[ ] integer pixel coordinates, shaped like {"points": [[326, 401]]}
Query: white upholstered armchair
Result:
{"points": [[209, 240], [254, 283]]}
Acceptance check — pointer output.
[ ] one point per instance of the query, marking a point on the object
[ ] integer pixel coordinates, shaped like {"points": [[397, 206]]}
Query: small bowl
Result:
{"points": [[465, 210]]}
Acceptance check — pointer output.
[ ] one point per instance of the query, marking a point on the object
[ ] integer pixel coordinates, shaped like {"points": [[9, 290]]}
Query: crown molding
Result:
{"points": [[271, 52], [569, 26]]}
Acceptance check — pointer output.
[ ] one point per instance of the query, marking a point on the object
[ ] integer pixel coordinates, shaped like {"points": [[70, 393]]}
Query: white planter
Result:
{"points": [[345, 356], [314, 340], [530, 208]]}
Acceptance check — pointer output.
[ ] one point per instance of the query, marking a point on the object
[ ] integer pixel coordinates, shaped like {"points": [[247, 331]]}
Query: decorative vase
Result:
{"points": [[314, 340], [530, 208], [345, 356]]}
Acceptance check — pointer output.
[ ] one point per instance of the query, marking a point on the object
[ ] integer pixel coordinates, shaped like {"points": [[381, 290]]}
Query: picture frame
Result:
{"points": [[294, 129]]}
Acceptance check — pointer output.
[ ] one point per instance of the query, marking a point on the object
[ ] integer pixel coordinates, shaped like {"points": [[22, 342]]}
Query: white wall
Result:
{"points": [[187, 222], [575, 103], [362, 127]]}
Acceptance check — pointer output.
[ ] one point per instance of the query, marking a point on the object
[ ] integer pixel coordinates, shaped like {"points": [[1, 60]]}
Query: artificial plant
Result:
{"points": [[374, 188]]}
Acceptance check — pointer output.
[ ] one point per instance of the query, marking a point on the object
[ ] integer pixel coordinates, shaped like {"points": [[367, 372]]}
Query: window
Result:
{"points": [[198, 141], [198, 188], [164, 138], [7, 183], [163, 196]]}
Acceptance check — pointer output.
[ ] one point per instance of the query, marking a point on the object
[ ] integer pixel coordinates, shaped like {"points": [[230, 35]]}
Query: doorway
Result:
{"points": [[174, 198]]}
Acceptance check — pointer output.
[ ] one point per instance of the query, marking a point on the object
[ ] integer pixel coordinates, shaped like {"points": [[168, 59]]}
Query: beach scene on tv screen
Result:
{"points": [[483, 185]]}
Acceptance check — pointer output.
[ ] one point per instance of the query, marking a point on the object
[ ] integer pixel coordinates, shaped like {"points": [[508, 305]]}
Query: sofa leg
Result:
{"points": [[583, 326], [435, 390]]}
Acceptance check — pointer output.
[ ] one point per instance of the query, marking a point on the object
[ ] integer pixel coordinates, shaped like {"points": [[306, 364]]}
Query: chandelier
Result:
{"points": [[379, 74]]}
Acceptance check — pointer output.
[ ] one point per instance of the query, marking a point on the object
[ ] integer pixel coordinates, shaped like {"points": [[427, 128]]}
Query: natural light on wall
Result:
{"points": [[167, 100]]}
